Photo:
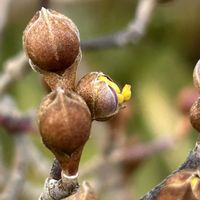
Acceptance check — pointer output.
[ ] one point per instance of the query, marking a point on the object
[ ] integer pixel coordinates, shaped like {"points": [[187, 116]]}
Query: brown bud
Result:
{"points": [[51, 41], [99, 96], [64, 123], [181, 186], [196, 75], [195, 115]]}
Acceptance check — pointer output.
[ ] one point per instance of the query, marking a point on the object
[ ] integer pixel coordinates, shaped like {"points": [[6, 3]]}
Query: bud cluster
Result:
{"points": [[52, 44]]}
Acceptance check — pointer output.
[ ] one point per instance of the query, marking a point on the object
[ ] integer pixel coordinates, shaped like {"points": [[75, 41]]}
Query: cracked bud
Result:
{"points": [[183, 185], [64, 123], [102, 95], [51, 41], [195, 115]]}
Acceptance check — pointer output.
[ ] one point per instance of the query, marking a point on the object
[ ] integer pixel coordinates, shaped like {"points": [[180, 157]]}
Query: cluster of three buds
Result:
{"points": [[52, 43]]}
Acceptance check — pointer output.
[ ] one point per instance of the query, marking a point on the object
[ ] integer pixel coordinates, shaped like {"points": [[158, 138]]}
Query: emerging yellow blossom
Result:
{"points": [[110, 83], [120, 98], [194, 180], [126, 92], [123, 95]]}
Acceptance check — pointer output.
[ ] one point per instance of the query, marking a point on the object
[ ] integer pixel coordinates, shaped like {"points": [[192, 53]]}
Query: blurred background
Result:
{"points": [[159, 67]]}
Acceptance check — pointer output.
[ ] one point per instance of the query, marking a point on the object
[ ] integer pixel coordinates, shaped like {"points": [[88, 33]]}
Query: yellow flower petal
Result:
{"points": [[120, 98], [194, 181], [125, 95], [110, 83], [126, 92]]}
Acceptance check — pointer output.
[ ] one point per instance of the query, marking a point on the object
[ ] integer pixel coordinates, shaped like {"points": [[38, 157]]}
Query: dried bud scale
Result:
{"points": [[51, 41], [64, 123], [102, 95]]}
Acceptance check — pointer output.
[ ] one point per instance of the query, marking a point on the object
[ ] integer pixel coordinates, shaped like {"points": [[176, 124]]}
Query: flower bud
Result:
{"points": [[102, 95], [64, 123], [183, 185], [196, 75], [195, 115], [195, 185], [51, 41]]}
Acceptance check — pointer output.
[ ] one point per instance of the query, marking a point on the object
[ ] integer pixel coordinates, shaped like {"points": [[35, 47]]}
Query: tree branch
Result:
{"points": [[14, 121], [15, 183], [59, 189], [14, 69], [131, 34], [4, 7], [36, 159], [129, 154], [192, 162]]}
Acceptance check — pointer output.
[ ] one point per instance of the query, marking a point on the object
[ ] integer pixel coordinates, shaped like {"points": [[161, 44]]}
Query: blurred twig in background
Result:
{"points": [[14, 185], [4, 7], [192, 162], [14, 69], [131, 34]]}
